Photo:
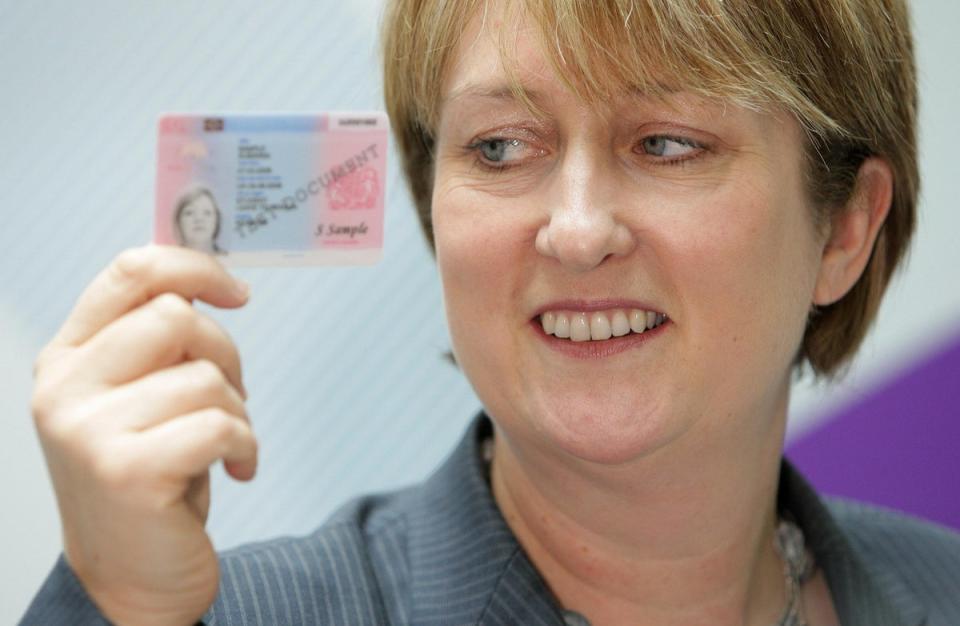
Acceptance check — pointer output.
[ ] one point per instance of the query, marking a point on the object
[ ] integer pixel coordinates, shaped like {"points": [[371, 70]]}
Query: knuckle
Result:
{"points": [[110, 469], [42, 403], [173, 309], [58, 423], [46, 402], [220, 425], [44, 357], [41, 407], [133, 264], [207, 376], [54, 363]]}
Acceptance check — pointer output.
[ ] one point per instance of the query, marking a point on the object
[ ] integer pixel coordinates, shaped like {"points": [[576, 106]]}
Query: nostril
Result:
{"points": [[581, 243], [542, 242], [580, 253]]}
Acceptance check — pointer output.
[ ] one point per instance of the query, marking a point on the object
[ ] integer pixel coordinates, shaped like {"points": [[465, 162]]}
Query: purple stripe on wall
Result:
{"points": [[898, 447]]}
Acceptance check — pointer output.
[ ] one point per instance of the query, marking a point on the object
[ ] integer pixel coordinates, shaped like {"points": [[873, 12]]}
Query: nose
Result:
{"points": [[584, 226]]}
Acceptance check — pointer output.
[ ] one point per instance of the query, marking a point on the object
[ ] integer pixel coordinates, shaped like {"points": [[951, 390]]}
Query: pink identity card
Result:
{"points": [[273, 189]]}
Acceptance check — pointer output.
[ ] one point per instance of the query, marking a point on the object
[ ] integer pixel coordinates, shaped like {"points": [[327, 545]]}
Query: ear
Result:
{"points": [[853, 231]]}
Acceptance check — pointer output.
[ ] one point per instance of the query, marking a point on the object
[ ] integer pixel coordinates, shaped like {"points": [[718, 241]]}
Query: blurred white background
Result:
{"points": [[349, 390]]}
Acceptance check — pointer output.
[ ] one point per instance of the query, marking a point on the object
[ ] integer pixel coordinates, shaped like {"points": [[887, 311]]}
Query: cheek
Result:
{"points": [[480, 246], [750, 274], [483, 254]]}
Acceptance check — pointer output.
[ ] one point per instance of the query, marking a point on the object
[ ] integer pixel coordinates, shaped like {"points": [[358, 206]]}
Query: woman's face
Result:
{"points": [[690, 210], [198, 222]]}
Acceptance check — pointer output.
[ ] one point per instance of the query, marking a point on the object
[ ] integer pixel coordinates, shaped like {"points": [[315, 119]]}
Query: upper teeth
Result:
{"points": [[599, 325]]}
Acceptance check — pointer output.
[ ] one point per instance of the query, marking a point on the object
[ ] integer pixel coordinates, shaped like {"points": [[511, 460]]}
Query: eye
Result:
{"points": [[499, 151], [668, 147]]}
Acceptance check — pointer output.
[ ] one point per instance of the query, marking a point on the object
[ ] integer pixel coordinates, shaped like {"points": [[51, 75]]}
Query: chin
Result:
{"points": [[607, 433]]}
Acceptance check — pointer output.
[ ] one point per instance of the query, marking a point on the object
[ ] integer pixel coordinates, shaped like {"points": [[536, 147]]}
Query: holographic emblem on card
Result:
{"points": [[263, 189]]}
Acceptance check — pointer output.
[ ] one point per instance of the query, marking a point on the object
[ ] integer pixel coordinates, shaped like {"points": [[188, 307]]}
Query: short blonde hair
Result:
{"points": [[843, 68]]}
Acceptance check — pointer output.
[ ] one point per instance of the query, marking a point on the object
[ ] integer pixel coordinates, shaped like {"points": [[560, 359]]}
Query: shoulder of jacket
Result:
{"points": [[333, 575], [869, 524], [922, 555]]}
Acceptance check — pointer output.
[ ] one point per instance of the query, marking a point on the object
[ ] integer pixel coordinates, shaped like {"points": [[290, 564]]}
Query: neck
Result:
{"points": [[203, 246], [679, 536]]}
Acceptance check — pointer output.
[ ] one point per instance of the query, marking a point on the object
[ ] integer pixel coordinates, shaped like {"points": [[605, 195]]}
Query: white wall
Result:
{"points": [[349, 392]]}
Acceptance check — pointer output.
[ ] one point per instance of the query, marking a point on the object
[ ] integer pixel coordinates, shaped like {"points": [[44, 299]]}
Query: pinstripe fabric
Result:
{"points": [[440, 553]]}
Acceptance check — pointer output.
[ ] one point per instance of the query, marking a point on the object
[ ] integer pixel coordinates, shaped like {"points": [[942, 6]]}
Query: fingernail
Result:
{"points": [[242, 288]]}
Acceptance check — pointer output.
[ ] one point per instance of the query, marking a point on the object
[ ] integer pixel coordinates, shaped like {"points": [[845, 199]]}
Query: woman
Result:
{"points": [[646, 217], [196, 221]]}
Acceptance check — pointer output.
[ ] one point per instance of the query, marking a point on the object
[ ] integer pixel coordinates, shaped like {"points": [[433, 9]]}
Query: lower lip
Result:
{"points": [[598, 349]]}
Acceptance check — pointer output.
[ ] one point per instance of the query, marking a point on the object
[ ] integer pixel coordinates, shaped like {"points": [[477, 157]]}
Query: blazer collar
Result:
{"points": [[466, 566]]}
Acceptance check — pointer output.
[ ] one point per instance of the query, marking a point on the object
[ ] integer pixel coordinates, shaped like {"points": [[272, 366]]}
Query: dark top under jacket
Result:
{"points": [[440, 553]]}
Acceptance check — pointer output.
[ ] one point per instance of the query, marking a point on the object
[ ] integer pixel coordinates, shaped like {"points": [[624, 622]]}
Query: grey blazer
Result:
{"points": [[440, 553]]}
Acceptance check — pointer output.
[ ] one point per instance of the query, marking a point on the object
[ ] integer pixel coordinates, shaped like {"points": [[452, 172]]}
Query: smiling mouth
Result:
{"points": [[599, 325]]}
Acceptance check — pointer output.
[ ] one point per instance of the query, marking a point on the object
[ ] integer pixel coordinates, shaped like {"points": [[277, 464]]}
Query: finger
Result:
{"points": [[164, 332], [188, 445], [138, 275], [168, 393]]}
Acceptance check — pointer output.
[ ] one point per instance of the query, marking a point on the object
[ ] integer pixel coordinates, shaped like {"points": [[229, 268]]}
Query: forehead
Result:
{"points": [[501, 61], [597, 52], [498, 55], [203, 200], [503, 56]]}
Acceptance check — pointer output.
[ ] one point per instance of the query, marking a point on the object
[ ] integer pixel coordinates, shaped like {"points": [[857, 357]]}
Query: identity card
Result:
{"points": [[273, 189]]}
